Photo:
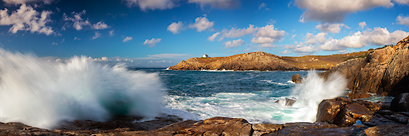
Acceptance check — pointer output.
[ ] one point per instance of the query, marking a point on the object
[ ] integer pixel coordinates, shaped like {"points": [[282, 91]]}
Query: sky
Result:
{"points": [[161, 33]]}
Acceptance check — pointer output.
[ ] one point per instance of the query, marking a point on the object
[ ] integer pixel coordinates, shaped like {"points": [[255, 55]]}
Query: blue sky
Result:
{"points": [[161, 33]]}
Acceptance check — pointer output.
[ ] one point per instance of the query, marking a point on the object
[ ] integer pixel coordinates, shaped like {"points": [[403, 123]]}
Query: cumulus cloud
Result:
{"points": [[362, 25], [314, 39], [152, 42], [335, 11], [144, 5], [128, 38], [26, 19], [175, 27], [202, 23], [378, 36], [235, 33], [211, 38], [77, 20], [402, 20], [234, 43], [267, 35], [404, 2], [16, 2], [221, 4], [301, 48], [330, 28], [79, 23], [97, 35], [100, 25]]}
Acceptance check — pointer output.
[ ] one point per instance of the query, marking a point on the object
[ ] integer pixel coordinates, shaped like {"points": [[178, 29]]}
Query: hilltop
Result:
{"points": [[265, 61]]}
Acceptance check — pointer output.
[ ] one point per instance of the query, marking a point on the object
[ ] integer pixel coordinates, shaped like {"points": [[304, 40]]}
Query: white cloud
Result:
{"points": [[402, 20], [314, 39], [404, 2], [263, 6], [362, 25], [211, 38], [112, 33], [235, 33], [267, 35], [100, 25], [175, 27], [76, 38], [224, 4], [234, 43], [128, 38], [293, 36], [16, 2], [334, 11], [97, 35], [144, 5], [202, 23], [301, 48], [152, 42], [284, 52], [330, 28], [26, 19], [379, 36], [77, 20]]}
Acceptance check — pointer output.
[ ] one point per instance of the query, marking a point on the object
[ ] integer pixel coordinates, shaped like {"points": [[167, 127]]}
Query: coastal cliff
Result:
{"points": [[263, 61], [384, 71]]}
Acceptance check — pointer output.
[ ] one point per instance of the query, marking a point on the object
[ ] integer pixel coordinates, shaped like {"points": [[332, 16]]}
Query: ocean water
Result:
{"points": [[245, 94], [43, 94]]}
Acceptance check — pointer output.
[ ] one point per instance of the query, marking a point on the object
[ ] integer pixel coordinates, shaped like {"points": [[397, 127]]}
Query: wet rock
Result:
{"points": [[288, 102], [358, 95], [262, 129], [219, 126], [328, 110], [306, 128], [296, 78], [351, 113], [400, 103], [390, 130]]}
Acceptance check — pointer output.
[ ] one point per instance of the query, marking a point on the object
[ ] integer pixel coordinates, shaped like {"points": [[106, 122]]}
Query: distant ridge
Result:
{"points": [[263, 61]]}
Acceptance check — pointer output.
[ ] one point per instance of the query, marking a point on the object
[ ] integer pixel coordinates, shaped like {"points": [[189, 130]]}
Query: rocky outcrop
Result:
{"points": [[384, 71]]}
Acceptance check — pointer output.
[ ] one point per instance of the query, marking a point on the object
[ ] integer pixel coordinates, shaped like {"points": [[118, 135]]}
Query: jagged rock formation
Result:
{"points": [[384, 71], [264, 61]]}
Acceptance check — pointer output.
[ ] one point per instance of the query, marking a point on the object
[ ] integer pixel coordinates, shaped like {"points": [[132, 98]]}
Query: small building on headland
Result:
{"points": [[205, 56]]}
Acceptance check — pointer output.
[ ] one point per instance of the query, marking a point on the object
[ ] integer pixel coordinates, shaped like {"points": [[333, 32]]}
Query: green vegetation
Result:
{"points": [[360, 56]]}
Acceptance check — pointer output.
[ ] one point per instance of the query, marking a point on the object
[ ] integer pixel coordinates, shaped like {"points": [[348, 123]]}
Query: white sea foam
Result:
{"points": [[41, 94], [312, 91]]}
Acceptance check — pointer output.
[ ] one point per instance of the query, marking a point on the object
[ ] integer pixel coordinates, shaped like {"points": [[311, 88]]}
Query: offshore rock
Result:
{"points": [[296, 78], [400, 103]]}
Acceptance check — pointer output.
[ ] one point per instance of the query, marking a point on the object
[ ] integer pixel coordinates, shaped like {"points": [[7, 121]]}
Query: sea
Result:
{"points": [[43, 93]]}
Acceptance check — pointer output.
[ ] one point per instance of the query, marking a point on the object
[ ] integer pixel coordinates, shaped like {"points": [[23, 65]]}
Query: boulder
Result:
{"points": [[400, 103], [262, 129], [351, 113], [296, 78]]}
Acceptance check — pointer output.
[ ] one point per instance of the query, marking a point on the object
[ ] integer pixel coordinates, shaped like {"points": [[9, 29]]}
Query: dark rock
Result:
{"points": [[296, 79], [358, 95], [390, 130], [400, 103], [287, 102], [351, 113]]}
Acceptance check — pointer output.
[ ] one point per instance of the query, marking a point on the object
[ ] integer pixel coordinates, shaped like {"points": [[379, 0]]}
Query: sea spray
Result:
{"points": [[41, 93], [312, 91]]}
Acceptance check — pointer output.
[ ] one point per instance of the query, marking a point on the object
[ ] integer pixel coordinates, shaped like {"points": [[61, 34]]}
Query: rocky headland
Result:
{"points": [[263, 61]]}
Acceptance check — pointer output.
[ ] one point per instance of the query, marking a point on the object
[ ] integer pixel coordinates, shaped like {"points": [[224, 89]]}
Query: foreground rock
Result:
{"points": [[384, 71], [400, 103]]}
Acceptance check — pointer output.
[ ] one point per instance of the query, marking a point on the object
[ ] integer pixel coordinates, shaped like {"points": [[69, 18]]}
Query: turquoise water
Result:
{"points": [[245, 94]]}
